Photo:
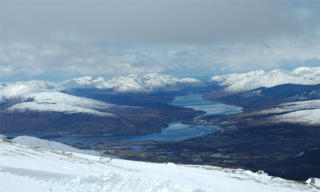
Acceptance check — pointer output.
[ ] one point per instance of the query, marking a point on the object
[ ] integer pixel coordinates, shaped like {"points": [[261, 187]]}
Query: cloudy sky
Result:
{"points": [[60, 39]]}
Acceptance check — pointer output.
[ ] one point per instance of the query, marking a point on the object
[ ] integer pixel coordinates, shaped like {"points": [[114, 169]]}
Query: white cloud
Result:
{"points": [[67, 59]]}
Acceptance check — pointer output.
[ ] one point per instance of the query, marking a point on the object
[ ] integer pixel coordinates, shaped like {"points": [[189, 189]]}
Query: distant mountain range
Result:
{"points": [[129, 83], [137, 104], [92, 106], [50, 96]]}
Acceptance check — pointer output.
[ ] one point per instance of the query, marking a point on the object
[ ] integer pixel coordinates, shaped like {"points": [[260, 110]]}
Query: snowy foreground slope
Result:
{"points": [[25, 168], [51, 145]]}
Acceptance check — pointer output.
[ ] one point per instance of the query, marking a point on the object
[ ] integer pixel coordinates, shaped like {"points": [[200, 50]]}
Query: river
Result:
{"points": [[176, 131]]}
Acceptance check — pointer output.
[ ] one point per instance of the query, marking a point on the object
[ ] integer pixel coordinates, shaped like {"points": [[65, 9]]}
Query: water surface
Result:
{"points": [[176, 131]]}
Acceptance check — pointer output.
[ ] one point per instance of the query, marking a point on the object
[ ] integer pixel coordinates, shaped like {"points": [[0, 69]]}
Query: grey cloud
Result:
{"points": [[142, 21], [43, 38]]}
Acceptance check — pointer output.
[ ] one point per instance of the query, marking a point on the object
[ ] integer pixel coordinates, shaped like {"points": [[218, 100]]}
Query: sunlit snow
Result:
{"points": [[306, 112], [132, 82], [41, 96], [248, 81], [61, 102], [26, 168]]}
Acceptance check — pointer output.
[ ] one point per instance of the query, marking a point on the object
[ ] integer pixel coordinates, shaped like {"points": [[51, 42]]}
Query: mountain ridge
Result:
{"points": [[238, 82]]}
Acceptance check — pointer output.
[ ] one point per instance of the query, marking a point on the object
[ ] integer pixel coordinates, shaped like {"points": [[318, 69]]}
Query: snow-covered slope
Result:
{"points": [[60, 102], [2, 137], [308, 117], [16, 90], [42, 96], [133, 82], [307, 112], [294, 106], [23, 168], [248, 81], [50, 145]]}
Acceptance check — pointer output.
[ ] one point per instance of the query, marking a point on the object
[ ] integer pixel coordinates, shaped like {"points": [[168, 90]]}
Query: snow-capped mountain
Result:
{"points": [[16, 90], [60, 102], [248, 81], [306, 112], [49, 96], [133, 82], [42, 96], [25, 168]]}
